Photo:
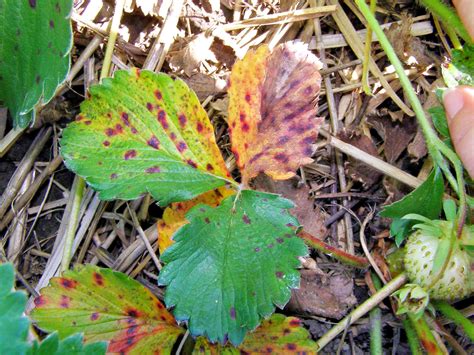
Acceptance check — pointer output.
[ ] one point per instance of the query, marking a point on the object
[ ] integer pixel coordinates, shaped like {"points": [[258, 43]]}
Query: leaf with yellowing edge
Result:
{"points": [[106, 305], [144, 132], [272, 110], [277, 335], [174, 215]]}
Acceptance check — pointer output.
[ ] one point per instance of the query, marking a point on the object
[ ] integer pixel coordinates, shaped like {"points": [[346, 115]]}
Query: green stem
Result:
{"points": [[448, 16], [457, 317], [412, 337], [77, 194], [376, 322], [425, 335], [436, 147], [338, 254]]}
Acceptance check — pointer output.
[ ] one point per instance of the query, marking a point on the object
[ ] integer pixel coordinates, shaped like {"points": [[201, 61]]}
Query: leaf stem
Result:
{"points": [[457, 317], [360, 311], [376, 322], [412, 337], [368, 46], [426, 337]]}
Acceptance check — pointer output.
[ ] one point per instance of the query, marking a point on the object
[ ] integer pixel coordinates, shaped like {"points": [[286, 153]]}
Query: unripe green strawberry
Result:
{"points": [[456, 282]]}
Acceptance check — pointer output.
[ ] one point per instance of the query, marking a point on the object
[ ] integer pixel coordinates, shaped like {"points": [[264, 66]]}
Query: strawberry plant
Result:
{"points": [[33, 29], [236, 257]]}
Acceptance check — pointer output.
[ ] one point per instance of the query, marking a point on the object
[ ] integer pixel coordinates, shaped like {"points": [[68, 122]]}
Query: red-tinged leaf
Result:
{"points": [[272, 110], [144, 132], [174, 215], [277, 335], [106, 305]]}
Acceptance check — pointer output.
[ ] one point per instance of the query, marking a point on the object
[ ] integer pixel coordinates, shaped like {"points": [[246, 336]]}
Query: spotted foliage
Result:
{"points": [[174, 215], [277, 335], [106, 305], [144, 132], [272, 110], [34, 53], [232, 264]]}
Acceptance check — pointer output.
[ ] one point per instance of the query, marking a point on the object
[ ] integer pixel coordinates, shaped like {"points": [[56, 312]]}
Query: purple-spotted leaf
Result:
{"points": [[106, 305], [36, 38], [272, 110], [232, 264], [144, 132], [277, 335]]}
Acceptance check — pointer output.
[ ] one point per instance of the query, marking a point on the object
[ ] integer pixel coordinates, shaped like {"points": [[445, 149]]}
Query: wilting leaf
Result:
{"points": [[174, 215], [232, 264], [144, 132], [34, 53], [272, 110], [277, 335], [106, 305], [425, 200]]}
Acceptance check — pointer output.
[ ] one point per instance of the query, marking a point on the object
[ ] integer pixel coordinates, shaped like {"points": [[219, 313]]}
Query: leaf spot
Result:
{"points": [[113, 176], [246, 219], [132, 312], [153, 170], [279, 274], [199, 127], [282, 157], [192, 163], [291, 346], [162, 119], [95, 316], [124, 117], [32, 3], [51, 24], [130, 154], [98, 278], [207, 220], [37, 79], [57, 7], [40, 301], [232, 312], [154, 142], [158, 95], [242, 117], [257, 249], [149, 106], [247, 97], [295, 323], [68, 283], [209, 167], [270, 245], [245, 127], [181, 146], [182, 120], [279, 240], [65, 301]]}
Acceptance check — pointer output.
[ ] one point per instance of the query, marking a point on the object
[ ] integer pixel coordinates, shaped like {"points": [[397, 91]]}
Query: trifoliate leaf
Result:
{"points": [[426, 200], [277, 335], [272, 110], [232, 264], [36, 38], [174, 215], [144, 132], [13, 325], [106, 305]]}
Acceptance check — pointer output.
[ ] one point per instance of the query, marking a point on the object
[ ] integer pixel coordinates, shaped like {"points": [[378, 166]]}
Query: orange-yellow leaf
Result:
{"points": [[174, 215], [272, 110]]}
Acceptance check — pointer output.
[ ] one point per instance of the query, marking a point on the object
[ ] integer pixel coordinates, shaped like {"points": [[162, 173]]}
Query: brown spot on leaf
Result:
{"points": [[98, 279], [51, 24], [37, 79], [181, 146], [162, 119], [269, 246], [88, 122], [209, 167], [118, 128], [182, 120], [130, 154], [295, 323], [32, 3], [65, 301], [279, 274], [153, 170], [282, 157], [279, 240], [132, 312], [247, 97], [172, 136], [133, 130], [232, 312], [154, 142], [113, 176], [94, 316], [68, 283], [242, 117], [257, 249], [291, 346], [149, 106], [40, 301], [124, 117], [245, 127], [199, 127], [207, 220], [191, 163], [158, 94], [246, 219]]}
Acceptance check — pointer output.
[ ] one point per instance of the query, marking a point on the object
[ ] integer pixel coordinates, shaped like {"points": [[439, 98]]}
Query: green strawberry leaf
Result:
{"points": [[278, 335], [106, 305], [438, 116], [461, 69], [13, 325], [144, 132], [34, 53], [426, 200], [450, 210], [232, 264], [72, 345]]}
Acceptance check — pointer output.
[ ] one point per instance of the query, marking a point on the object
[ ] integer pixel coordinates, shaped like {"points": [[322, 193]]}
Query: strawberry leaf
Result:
{"points": [[232, 264], [278, 335], [106, 305], [71, 345], [34, 53], [144, 132], [174, 216], [272, 110]]}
